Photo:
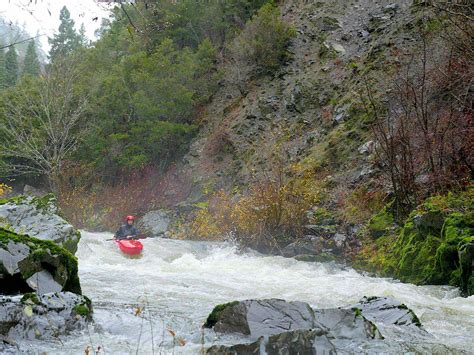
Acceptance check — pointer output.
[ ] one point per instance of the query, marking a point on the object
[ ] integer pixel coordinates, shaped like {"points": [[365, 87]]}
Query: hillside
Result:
{"points": [[294, 154]]}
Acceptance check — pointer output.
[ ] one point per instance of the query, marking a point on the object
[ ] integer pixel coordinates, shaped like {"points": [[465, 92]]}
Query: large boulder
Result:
{"points": [[154, 223], [261, 317], [30, 264], [33, 316], [279, 327], [38, 217]]}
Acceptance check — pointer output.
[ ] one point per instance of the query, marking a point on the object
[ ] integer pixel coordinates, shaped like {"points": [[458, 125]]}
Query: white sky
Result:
{"points": [[43, 15]]}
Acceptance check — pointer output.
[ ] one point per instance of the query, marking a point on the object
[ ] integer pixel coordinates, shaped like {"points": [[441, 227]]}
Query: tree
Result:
{"points": [[67, 39], [82, 37], [31, 64], [11, 67], [3, 74], [42, 123]]}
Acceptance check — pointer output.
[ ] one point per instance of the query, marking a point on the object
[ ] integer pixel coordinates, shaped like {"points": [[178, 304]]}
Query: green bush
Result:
{"points": [[264, 41]]}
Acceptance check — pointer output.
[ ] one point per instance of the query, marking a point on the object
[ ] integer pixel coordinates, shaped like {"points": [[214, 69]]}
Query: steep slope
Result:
{"points": [[309, 112]]}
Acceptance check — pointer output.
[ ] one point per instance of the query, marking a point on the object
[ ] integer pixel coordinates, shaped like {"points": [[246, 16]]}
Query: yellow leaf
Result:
{"points": [[138, 311]]}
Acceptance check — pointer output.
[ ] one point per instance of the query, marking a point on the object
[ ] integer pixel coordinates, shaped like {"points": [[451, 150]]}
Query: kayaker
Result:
{"points": [[128, 230]]}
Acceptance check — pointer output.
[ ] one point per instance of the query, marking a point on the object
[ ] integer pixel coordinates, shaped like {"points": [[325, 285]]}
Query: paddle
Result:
{"points": [[137, 237]]}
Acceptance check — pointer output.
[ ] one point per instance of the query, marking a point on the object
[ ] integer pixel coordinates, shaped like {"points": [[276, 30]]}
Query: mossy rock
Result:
{"points": [[42, 255], [84, 309], [435, 245], [30, 298], [382, 223], [213, 318]]}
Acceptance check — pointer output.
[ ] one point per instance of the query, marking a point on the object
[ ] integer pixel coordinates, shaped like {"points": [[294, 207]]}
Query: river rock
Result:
{"points": [[347, 324], [238, 349], [38, 217], [30, 264], [308, 245], [261, 317], [154, 223], [393, 318], [47, 316], [279, 327]]}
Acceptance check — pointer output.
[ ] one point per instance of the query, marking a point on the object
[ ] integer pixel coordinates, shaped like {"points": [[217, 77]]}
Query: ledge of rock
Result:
{"points": [[38, 217], [275, 326], [30, 264], [33, 316]]}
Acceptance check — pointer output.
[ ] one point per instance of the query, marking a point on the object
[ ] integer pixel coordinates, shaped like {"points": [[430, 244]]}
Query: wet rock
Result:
{"points": [[393, 318], [347, 324], [387, 311], [154, 223], [261, 317], [43, 316], [38, 217], [281, 327], [308, 245], [239, 349], [43, 282], [30, 264], [314, 341]]}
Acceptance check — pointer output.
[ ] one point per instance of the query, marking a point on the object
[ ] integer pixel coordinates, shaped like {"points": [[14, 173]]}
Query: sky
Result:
{"points": [[43, 15]]}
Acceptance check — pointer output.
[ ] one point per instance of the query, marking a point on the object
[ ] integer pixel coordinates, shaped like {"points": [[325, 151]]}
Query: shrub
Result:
{"points": [[262, 45], [269, 211]]}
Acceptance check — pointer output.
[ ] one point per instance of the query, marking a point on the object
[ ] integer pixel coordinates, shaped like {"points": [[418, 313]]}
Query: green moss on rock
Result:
{"points": [[382, 223], [30, 298], [43, 253], [435, 245], [213, 318]]}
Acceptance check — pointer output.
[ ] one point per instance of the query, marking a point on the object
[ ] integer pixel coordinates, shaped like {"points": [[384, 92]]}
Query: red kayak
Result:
{"points": [[130, 247]]}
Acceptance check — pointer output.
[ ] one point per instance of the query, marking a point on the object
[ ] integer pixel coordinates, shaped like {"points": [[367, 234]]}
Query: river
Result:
{"points": [[140, 303]]}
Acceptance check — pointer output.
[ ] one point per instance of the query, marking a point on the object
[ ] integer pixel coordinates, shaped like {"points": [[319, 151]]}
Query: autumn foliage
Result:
{"points": [[87, 204], [268, 211]]}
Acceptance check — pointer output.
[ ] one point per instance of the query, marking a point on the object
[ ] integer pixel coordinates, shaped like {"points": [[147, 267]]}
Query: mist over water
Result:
{"points": [[139, 302]]}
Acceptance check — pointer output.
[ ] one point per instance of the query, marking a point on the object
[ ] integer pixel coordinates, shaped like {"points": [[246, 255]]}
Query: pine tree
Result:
{"points": [[67, 39], [31, 65], [3, 73], [82, 36], [11, 67]]}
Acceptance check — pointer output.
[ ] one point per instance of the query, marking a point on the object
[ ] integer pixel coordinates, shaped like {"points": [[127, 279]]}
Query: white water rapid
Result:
{"points": [[138, 303]]}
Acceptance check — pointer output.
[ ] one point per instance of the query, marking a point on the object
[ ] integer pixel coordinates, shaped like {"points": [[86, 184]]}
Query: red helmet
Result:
{"points": [[130, 218]]}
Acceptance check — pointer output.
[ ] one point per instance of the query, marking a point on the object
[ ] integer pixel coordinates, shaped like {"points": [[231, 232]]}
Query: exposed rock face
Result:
{"points": [[29, 264], [278, 327], [38, 217], [154, 223], [42, 316]]}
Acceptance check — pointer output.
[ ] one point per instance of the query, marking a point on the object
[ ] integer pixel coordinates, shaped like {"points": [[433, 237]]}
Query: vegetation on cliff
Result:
{"points": [[435, 245]]}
